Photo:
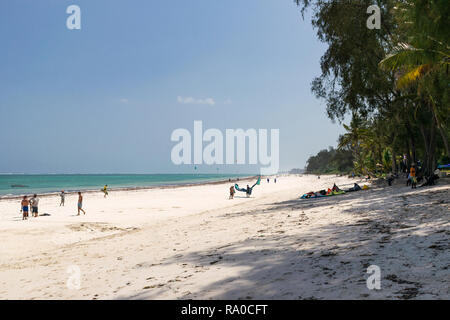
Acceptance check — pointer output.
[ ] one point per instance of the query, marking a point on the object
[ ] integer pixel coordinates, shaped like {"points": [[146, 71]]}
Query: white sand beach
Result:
{"points": [[194, 243]]}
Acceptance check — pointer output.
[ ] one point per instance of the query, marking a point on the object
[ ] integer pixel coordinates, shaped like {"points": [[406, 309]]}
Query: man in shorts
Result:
{"points": [[34, 205], [63, 198], [80, 203], [24, 207]]}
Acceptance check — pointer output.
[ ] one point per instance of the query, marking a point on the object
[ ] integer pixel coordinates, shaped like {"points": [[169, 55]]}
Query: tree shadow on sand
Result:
{"points": [[406, 234]]}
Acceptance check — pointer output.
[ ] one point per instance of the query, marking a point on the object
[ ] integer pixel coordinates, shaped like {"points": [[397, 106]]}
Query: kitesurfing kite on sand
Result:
{"points": [[248, 190]]}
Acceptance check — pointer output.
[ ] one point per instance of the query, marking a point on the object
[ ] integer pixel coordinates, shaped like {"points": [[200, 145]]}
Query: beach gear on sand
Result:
{"points": [[313, 195], [323, 193], [236, 186], [335, 188], [332, 192], [247, 190], [355, 187], [430, 180]]}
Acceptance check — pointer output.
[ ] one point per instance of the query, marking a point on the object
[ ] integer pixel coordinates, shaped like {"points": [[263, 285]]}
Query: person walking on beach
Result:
{"points": [[105, 190], [80, 204], [34, 205], [63, 198], [24, 207], [232, 192]]}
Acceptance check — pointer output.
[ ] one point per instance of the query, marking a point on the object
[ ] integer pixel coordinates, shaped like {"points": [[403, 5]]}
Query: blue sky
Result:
{"points": [[106, 98]]}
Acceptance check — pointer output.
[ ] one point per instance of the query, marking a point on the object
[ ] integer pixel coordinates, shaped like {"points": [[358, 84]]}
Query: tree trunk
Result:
{"points": [[444, 138], [439, 126], [411, 144], [413, 149], [394, 161], [408, 154], [432, 147], [425, 143], [380, 154]]}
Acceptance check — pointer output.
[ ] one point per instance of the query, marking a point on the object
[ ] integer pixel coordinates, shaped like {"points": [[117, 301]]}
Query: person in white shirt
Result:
{"points": [[34, 205]]}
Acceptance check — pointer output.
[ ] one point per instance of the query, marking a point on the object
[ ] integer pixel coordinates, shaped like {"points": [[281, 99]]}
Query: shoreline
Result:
{"points": [[130, 188]]}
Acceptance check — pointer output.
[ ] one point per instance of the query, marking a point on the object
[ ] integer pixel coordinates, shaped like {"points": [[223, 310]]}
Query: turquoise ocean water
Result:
{"points": [[18, 184]]}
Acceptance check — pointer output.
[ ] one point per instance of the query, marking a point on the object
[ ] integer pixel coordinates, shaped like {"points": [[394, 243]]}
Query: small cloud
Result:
{"points": [[191, 100], [123, 100]]}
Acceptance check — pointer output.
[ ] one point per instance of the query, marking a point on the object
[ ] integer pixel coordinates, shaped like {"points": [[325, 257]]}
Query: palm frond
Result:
{"points": [[407, 56], [411, 77]]}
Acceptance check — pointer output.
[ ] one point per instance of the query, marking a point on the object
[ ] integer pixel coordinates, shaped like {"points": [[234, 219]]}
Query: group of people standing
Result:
{"points": [[32, 204]]}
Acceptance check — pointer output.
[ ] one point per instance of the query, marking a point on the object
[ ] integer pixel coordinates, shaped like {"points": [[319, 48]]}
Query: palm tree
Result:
{"points": [[418, 63], [353, 138]]}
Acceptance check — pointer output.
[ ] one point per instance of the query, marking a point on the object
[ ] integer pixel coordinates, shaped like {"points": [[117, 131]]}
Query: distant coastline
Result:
{"points": [[185, 180]]}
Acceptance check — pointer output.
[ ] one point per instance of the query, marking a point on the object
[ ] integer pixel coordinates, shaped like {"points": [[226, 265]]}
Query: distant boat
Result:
{"points": [[18, 186]]}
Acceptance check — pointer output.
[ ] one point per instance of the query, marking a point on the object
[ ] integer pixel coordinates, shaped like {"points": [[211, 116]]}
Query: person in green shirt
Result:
{"points": [[105, 190]]}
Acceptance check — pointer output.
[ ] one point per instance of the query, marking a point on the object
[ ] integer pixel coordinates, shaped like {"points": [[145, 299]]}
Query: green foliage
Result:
{"points": [[330, 161], [393, 81], [387, 160]]}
